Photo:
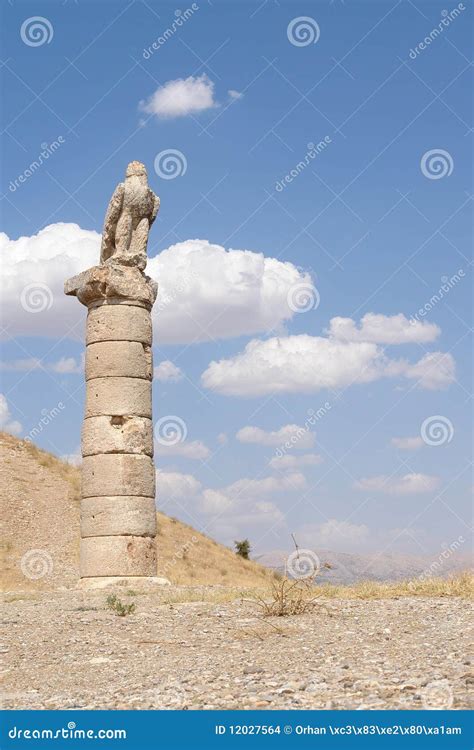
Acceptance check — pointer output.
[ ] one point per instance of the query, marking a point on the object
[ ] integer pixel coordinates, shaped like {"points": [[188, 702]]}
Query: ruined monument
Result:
{"points": [[118, 517]]}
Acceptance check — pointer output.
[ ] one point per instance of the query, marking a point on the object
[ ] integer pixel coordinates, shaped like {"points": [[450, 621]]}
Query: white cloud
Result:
{"points": [[333, 533], [64, 365], [249, 489], [67, 365], [434, 371], [409, 484], [181, 97], [205, 291], [296, 436], [175, 486], [33, 273], [304, 364], [6, 423], [222, 438], [282, 463], [407, 443], [383, 329], [214, 502], [168, 372], [238, 505], [21, 365], [75, 459], [187, 449], [235, 94]]}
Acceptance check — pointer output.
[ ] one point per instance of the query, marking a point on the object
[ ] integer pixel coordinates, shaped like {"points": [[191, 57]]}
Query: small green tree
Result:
{"points": [[242, 548]]}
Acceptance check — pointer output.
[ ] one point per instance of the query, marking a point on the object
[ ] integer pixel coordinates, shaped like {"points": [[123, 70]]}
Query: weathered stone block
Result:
{"points": [[119, 323], [126, 359], [118, 516], [118, 474], [112, 282], [117, 434], [118, 397], [118, 556]]}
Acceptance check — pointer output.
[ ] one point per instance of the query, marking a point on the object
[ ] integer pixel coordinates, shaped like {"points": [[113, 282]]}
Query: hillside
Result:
{"points": [[40, 511]]}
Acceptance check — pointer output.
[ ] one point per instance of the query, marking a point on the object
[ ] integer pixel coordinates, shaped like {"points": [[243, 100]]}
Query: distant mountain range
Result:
{"points": [[350, 568]]}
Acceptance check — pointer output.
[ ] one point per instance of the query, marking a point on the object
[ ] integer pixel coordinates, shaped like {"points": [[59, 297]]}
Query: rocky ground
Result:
{"points": [[67, 650]]}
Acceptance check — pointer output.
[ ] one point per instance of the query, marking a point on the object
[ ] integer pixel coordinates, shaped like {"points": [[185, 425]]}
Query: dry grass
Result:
{"points": [[188, 557], [460, 584], [288, 597]]}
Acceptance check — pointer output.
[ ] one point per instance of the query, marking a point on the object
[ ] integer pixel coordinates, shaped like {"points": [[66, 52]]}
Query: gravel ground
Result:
{"points": [[67, 650]]}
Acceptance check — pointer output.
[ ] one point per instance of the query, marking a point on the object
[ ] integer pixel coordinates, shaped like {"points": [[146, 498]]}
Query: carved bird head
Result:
{"points": [[136, 169]]}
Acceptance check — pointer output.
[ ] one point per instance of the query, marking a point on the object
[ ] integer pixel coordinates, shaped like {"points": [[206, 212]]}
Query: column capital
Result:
{"points": [[112, 283]]}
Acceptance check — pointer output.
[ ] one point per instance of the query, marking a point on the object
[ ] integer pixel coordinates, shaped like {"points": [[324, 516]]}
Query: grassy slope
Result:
{"points": [[40, 506]]}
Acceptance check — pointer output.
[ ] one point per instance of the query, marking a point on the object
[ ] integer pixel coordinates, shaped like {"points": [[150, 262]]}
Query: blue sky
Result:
{"points": [[371, 223]]}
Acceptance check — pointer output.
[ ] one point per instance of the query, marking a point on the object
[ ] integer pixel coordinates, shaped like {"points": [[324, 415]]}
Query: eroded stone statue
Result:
{"points": [[118, 513], [131, 212]]}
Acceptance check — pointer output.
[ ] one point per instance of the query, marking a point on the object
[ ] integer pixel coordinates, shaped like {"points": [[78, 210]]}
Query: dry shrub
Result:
{"points": [[288, 597]]}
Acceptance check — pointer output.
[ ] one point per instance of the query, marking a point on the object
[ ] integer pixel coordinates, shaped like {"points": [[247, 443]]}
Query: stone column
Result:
{"points": [[118, 517]]}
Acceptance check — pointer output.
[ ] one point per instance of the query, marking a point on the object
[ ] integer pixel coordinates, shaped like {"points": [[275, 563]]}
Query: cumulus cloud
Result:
{"points": [[63, 366], [6, 422], [407, 443], [167, 372], [305, 364], [188, 449], [383, 329], [205, 291], [181, 97], [434, 371], [283, 463], [67, 366], [333, 533], [232, 507], [296, 436], [409, 484], [172, 485], [33, 273], [208, 292]]}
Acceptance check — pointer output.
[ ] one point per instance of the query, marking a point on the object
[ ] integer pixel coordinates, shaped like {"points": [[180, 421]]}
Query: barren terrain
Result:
{"points": [[203, 641], [67, 650]]}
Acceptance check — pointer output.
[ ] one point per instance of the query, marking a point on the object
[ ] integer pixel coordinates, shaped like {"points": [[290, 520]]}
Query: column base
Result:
{"points": [[135, 583]]}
